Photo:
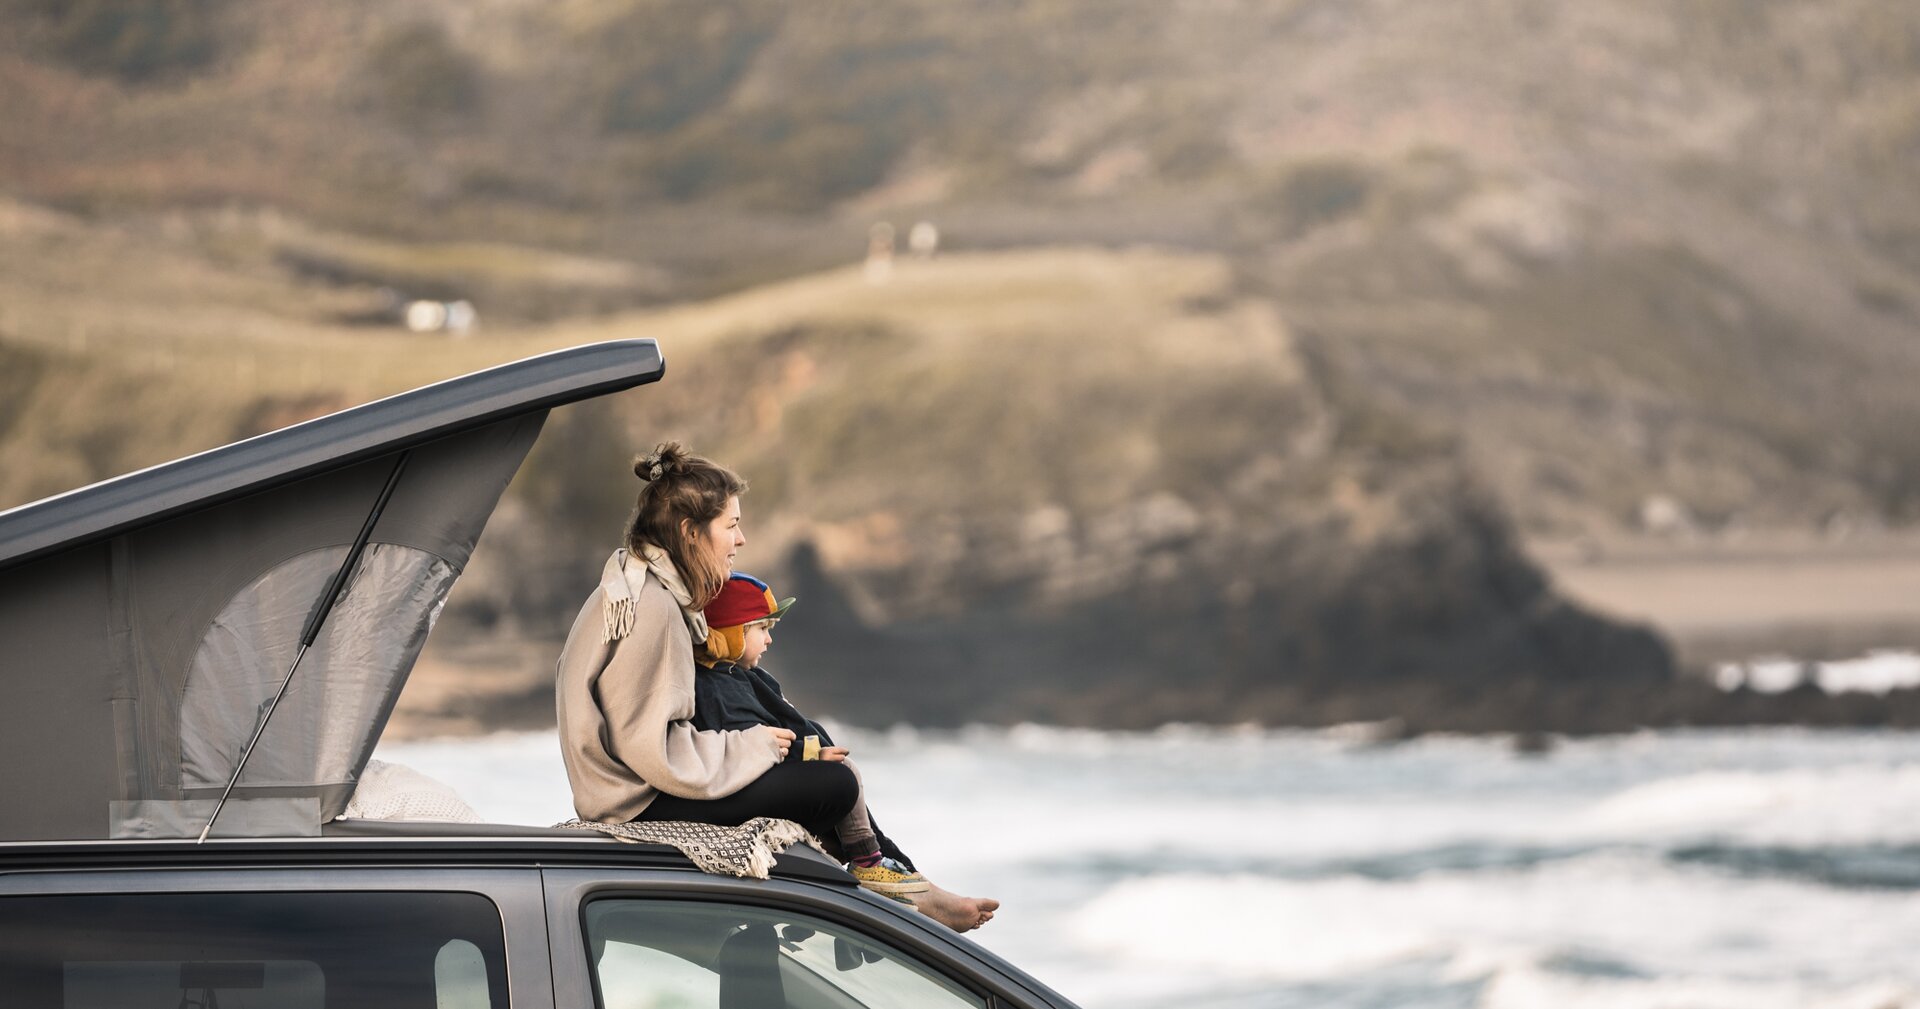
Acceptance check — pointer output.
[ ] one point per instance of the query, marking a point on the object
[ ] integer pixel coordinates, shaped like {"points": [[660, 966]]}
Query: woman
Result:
{"points": [[625, 692]]}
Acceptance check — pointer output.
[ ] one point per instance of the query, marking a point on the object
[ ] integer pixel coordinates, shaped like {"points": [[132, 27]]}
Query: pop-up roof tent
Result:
{"points": [[148, 622]]}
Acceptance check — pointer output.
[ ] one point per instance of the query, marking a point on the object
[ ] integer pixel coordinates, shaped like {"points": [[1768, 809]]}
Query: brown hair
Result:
{"points": [[680, 493]]}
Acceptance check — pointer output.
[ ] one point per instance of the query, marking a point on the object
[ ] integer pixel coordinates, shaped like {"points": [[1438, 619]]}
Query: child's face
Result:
{"points": [[759, 638]]}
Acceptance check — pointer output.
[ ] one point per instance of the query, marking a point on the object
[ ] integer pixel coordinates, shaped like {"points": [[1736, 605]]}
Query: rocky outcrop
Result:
{"points": [[1448, 628]]}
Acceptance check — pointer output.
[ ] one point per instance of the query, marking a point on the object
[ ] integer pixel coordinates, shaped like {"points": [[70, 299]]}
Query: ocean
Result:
{"points": [[1242, 868]]}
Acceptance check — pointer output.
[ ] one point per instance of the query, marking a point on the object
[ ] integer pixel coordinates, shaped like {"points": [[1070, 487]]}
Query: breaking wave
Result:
{"points": [[1608, 927]]}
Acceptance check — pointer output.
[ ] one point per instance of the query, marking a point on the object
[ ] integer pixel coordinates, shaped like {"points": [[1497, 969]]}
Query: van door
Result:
{"points": [[274, 939], [630, 940]]}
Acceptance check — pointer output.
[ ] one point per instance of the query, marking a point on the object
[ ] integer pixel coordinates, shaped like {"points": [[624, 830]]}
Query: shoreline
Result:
{"points": [[1732, 599], [1387, 732], [1715, 600], [1532, 712]]}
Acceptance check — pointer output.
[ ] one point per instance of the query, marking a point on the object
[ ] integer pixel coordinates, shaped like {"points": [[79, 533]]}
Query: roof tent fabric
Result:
{"points": [[327, 443], [139, 649]]}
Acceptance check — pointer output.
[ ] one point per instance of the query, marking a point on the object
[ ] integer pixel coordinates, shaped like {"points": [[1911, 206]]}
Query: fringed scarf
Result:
{"points": [[620, 584]]}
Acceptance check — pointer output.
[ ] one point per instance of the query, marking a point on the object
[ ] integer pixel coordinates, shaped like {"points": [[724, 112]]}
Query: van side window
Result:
{"points": [[252, 951], [686, 955]]}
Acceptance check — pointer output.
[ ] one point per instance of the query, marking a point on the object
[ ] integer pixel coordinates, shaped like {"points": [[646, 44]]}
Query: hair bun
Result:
{"points": [[667, 457]]}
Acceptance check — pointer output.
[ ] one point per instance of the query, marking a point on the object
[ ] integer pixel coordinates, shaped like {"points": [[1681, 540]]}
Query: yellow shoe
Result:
{"points": [[889, 878]]}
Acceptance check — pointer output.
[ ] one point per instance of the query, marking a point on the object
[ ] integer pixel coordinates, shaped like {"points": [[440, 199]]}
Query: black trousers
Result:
{"points": [[816, 794]]}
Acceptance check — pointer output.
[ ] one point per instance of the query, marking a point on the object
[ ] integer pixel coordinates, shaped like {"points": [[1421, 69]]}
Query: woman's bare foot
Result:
{"points": [[962, 914]]}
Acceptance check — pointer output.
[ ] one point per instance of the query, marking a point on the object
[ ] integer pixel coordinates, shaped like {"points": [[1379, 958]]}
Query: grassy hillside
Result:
{"points": [[1622, 252]]}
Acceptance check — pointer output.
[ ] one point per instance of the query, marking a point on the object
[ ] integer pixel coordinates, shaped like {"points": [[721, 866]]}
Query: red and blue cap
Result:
{"points": [[743, 600]]}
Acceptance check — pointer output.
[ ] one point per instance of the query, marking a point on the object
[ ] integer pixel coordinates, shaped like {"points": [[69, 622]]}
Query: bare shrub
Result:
{"points": [[419, 77], [133, 40]]}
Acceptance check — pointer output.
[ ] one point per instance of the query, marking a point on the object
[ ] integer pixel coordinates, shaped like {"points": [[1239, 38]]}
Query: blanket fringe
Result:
{"points": [[779, 835], [746, 850]]}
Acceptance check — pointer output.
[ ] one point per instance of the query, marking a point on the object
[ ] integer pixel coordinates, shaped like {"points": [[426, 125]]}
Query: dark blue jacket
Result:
{"points": [[729, 696]]}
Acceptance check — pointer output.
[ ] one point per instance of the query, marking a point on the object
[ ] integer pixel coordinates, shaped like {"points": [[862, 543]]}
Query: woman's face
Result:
{"points": [[722, 536]]}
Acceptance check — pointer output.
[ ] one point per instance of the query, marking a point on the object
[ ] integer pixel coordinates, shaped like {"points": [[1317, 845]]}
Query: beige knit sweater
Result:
{"points": [[624, 694]]}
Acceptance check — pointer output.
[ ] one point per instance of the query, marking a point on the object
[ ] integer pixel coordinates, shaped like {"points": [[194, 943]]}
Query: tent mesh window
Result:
{"points": [[346, 681]]}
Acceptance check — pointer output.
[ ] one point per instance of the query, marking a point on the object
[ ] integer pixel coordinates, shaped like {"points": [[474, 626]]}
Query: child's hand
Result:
{"points": [[835, 753]]}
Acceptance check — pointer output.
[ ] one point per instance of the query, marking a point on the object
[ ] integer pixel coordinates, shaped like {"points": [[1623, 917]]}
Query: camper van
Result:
{"points": [[196, 662]]}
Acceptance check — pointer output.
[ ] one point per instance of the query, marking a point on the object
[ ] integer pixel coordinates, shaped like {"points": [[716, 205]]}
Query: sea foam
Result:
{"points": [[1613, 917]]}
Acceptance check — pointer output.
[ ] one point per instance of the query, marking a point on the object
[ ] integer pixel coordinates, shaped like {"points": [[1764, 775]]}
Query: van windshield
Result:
{"points": [[252, 951]]}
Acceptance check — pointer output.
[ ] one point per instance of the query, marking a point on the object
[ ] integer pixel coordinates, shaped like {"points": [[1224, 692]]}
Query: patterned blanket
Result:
{"points": [[746, 850]]}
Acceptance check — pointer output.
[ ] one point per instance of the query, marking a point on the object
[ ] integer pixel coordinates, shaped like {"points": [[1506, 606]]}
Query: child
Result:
{"points": [[731, 691]]}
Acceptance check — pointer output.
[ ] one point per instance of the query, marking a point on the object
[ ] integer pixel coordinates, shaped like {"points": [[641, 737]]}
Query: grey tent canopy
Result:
{"points": [[145, 621]]}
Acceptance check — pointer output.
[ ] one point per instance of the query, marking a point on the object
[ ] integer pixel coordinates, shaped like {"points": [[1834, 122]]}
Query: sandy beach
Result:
{"points": [[1731, 599]]}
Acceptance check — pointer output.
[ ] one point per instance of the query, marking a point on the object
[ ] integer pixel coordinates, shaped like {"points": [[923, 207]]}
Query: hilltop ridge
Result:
{"points": [[1626, 254]]}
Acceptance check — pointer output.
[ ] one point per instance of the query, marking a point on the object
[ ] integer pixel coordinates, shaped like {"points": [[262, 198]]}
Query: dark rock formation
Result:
{"points": [[1461, 632]]}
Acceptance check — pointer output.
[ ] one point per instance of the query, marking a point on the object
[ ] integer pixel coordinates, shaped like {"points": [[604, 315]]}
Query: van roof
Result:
{"points": [[366, 842]]}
